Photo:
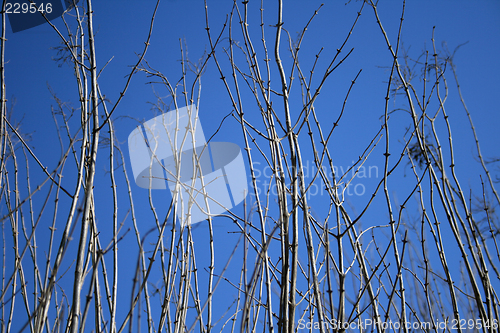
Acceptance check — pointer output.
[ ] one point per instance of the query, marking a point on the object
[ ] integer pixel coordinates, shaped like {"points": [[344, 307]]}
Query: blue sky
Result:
{"points": [[121, 31], [121, 28]]}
